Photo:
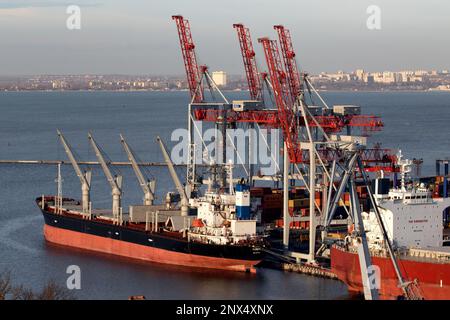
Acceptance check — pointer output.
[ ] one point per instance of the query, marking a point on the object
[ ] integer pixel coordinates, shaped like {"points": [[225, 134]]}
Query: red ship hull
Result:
{"points": [[433, 277], [144, 253]]}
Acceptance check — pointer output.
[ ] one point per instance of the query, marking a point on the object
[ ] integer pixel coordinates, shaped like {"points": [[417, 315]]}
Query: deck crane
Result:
{"points": [[194, 73], [114, 181], [176, 180], [85, 177], [290, 64], [284, 103], [248, 56], [148, 186]]}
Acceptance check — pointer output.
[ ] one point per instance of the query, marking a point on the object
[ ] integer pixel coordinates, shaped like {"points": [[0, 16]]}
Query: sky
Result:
{"points": [[139, 36]]}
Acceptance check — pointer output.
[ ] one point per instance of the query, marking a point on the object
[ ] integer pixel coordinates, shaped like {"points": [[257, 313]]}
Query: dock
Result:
{"points": [[309, 270], [90, 163]]}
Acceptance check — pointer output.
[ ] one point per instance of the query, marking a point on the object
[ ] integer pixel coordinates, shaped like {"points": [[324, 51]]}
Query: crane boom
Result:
{"points": [[290, 64], [248, 56], [72, 158], [85, 177], [176, 180], [148, 187], [286, 115], [115, 182], [193, 73]]}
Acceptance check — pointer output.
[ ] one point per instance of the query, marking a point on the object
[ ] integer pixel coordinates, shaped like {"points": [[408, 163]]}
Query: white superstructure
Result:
{"points": [[411, 216], [220, 225]]}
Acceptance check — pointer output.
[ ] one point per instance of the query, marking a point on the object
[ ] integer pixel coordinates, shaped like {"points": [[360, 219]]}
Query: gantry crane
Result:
{"points": [[176, 180], [290, 64], [329, 123], [193, 72], [148, 186], [248, 56], [287, 117], [114, 181], [85, 177]]}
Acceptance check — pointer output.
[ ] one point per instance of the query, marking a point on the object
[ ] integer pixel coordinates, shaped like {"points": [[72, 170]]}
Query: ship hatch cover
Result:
{"points": [[176, 223]]}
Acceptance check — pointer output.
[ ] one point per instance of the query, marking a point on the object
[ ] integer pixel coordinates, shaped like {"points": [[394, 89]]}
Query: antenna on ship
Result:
{"points": [[230, 176], [59, 198], [405, 168]]}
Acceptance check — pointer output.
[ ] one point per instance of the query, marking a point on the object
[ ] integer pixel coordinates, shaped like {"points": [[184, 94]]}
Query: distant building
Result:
{"points": [[369, 79], [59, 84], [360, 74], [398, 77], [339, 76], [385, 77], [220, 78], [420, 73]]}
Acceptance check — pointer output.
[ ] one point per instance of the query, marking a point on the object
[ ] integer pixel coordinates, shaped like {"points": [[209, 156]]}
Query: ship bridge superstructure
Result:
{"points": [[412, 217]]}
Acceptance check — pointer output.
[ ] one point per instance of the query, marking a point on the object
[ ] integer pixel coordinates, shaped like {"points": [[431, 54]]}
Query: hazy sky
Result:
{"points": [[139, 37]]}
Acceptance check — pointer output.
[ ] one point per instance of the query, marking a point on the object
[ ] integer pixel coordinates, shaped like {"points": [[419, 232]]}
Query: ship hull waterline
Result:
{"points": [[174, 251], [433, 277]]}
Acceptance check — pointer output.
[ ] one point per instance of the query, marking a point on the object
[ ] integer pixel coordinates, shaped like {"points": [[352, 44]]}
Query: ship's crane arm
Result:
{"points": [[176, 180], [148, 187], [85, 177], [114, 181], [72, 159]]}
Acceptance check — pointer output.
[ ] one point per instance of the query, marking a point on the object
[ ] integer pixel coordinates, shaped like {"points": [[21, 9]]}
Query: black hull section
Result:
{"points": [[151, 239]]}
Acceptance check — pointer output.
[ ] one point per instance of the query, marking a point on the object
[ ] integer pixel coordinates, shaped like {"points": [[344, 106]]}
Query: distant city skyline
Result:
{"points": [[421, 80], [182, 74], [139, 37]]}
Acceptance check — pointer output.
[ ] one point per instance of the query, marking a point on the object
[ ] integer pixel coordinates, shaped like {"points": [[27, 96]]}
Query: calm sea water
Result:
{"points": [[418, 123]]}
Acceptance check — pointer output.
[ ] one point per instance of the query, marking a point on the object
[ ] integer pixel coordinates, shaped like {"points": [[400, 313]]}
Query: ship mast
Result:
{"points": [[176, 180], [148, 186], [59, 197], [114, 181], [85, 177]]}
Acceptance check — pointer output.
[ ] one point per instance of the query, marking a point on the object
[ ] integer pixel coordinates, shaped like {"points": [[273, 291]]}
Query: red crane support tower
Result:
{"points": [[283, 100], [287, 49], [193, 73], [248, 55]]}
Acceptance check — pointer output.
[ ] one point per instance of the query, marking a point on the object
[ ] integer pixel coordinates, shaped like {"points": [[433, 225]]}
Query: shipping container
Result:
{"points": [[298, 203]]}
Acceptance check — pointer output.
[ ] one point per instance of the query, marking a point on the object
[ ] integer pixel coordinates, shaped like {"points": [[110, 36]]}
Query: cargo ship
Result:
{"points": [[413, 217], [67, 226], [214, 231]]}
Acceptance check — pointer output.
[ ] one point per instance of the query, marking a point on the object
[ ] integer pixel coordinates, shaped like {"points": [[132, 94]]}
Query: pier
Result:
{"points": [[90, 163]]}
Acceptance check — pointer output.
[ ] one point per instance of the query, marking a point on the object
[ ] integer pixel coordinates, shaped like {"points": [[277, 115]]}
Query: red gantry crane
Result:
{"points": [[284, 103], [287, 83], [193, 72], [329, 123], [248, 56], [290, 64]]}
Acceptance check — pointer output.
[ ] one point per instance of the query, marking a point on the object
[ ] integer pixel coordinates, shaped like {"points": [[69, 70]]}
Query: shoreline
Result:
{"points": [[171, 91]]}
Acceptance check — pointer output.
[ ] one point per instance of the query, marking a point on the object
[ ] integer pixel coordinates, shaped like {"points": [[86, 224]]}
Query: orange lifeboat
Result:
{"points": [[198, 223]]}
